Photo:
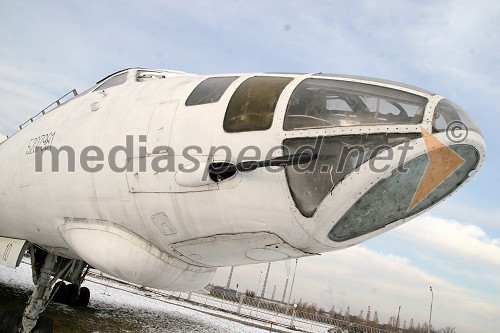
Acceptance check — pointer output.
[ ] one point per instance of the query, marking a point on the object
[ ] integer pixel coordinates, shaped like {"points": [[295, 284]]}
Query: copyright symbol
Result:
{"points": [[457, 131]]}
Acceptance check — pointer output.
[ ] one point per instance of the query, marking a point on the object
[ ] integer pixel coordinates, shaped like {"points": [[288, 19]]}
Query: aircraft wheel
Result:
{"points": [[71, 294], [84, 298], [9, 321], [59, 292], [43, 325]]}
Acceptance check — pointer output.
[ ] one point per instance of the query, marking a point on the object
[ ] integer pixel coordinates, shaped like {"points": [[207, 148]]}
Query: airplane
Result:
{"points": [[159, 177]]}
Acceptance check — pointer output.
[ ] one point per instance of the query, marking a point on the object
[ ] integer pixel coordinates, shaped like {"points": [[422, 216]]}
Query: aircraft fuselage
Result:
{"points": [[119, 176]]}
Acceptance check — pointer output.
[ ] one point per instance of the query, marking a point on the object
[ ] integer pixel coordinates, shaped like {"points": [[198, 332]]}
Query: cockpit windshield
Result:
{"points": [[450, 117], [318, 103]]}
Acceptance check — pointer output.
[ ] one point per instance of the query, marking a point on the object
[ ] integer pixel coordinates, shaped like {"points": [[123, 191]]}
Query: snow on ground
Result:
{"points": [[115, 310]]}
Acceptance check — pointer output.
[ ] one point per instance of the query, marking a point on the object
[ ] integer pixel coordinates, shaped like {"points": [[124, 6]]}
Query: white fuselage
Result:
{"points": [[171, 229]]}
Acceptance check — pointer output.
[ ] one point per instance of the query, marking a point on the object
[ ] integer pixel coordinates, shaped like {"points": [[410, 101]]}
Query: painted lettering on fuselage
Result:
{"points": [[40, 143]]}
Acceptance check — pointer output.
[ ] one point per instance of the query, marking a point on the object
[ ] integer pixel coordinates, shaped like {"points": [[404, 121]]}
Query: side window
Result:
{"points": [[210, 90], [113, 81], [251, 108]]}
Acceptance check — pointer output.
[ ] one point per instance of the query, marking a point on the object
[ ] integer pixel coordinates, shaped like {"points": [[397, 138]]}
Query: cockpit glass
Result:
{"points": [[113, 81], [337, 157], [319, 103], [210, 90], [450, 117], [251, 108]]}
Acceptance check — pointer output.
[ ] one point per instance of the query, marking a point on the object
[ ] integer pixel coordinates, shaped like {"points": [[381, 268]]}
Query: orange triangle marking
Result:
{"points": [[442, 162]]}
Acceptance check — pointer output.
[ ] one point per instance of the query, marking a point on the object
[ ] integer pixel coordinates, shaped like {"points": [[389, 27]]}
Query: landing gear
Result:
{"points": [[40, 297], [47, 268], [84, 297], [59, 292], [70, 294]]}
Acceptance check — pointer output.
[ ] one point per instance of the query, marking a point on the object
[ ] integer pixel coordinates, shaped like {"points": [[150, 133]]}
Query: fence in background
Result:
{"points": [[260, 310], [273, 313]]}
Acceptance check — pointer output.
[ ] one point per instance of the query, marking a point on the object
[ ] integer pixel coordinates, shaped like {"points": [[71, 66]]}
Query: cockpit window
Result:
{"points": [[252, 105], [113, 81], [210, 90], [451, 117], [337, 157], [318, 103]]}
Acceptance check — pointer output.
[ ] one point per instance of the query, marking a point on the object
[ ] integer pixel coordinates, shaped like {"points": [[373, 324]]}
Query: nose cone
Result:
{"points": [[405, 194], [444, 161]]}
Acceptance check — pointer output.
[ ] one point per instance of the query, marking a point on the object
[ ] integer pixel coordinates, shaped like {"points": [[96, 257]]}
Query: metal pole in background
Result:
{"points": [[265, 281], [284, 291], [229, 279], [430, 313], [293, 280], [258, 285], [397, 320]]}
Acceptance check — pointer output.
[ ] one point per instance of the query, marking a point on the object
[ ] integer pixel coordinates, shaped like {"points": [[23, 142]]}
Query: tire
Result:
{"points": [[84, 298], [43, 325], [71, 294], [9, 321], [59, 292]]}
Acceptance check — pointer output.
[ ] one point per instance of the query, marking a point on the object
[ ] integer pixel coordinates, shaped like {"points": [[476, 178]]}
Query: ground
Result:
{"points": [[113, 310]]}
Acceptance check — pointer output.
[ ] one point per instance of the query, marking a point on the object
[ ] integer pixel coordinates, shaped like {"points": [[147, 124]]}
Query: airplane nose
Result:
{"points": [[452, 153], [402, 195]]}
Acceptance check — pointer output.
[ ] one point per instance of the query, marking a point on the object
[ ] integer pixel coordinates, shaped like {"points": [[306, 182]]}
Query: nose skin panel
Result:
{"points": [[389, 200]]}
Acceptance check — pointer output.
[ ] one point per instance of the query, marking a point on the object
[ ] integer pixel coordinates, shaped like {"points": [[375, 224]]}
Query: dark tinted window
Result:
{"points": [[251, 108], [210, 90]]}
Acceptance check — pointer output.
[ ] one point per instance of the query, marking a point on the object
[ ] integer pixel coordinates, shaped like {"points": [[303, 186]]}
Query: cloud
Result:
{"points": [[468, 242], [359, 277], [466, 211]]}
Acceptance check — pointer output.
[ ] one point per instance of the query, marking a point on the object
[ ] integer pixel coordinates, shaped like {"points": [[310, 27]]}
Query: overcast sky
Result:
{"points": [[450, 47]]}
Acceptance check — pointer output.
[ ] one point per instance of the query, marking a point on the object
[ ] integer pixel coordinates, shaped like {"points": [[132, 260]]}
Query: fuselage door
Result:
{"points": [[160, 127]]}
